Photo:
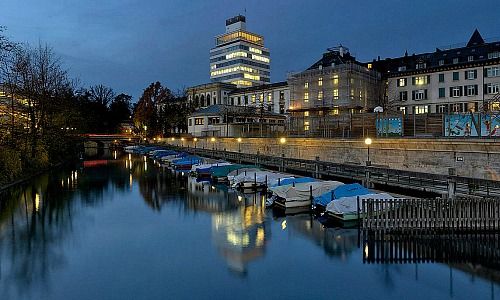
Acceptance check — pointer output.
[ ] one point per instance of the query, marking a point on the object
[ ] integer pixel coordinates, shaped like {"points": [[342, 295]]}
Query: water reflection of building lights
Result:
{"points": [[213, 187], [240, 198], [366, 251], [182, 173], [37, 201], [130, 180], [129, 156], [62, 182], [260, 237], [145, 158], [283, 225], [145, 166], [115, 154]]}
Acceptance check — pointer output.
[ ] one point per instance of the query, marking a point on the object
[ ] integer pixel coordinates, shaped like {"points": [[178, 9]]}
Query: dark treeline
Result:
{"points": [[43, 111]]}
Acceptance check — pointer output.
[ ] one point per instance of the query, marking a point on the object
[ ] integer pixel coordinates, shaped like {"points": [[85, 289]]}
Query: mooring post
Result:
{"points": [[282, 167], [316, 167], [452, 183], [367, 181], [257, 158]]}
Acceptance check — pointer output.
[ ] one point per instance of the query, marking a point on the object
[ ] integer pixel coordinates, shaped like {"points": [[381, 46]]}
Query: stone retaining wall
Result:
{"points": [[470, 158]]}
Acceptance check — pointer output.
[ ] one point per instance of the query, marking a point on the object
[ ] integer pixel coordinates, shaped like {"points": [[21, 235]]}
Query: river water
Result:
{"points": [[123, 228]]}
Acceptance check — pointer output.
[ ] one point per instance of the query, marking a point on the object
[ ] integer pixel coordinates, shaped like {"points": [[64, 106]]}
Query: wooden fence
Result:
{"points": [[482, 249], [460, 214]]}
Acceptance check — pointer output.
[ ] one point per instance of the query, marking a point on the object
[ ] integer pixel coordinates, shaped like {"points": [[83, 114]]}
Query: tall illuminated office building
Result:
{"points": [[239, 56]]}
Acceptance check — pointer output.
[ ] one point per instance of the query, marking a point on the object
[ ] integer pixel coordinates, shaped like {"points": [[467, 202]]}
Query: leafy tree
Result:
{"points": [[119, 110]]}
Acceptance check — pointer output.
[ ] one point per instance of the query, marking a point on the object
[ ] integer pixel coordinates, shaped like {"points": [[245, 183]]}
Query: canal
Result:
{"points": [[120, 227]]}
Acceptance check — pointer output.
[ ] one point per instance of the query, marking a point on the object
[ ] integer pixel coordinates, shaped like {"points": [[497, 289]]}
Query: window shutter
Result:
{"points": [[413, 80], [485, 91], [465, 90], [475, 75], [466, 75], [428, 79], [485, 72], [461, 90], [412, 95], [451, 92], [476, 91], [425, 94]]}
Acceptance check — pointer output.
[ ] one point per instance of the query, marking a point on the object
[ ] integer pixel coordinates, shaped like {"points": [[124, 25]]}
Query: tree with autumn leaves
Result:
{"points": [[160, 112]]}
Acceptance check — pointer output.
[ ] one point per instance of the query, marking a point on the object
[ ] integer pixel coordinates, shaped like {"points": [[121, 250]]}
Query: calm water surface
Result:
{"points": [[123, 228]]}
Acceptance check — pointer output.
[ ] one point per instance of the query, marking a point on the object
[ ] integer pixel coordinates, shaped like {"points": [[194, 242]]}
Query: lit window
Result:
{"points": [[306, 97], [198, 121], [495, 106], [320, 81], [306, 126], [306, 114], [420, 80], [335, 94], [335, 79], [402, 109], [255, 50], [470, 58], [470, 74], [421, 109], [260, 58], [369, 66], [236, 54], [253, 98], [306, 85], [335, 111], [402, 82], [320, 95], [250, 76]]}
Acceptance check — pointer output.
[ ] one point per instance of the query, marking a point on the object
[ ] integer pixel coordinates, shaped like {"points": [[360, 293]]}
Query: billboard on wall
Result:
{"points": [[472, 125], [389, 126]]}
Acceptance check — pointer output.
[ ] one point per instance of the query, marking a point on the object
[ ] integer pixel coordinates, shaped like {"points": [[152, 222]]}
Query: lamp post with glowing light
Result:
{"points": [[283, 142], [182, 141], [368, 142], [239, 144], [213, 143]]}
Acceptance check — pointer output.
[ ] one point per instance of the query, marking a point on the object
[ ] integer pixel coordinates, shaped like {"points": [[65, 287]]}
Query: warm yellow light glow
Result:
{"points": [[173, 139], [236, 54], [283, 225], [145, 139], [37, 201], [130, 180], [182, 139], [255, 50], [129, 156], [282, 140], [250, 76], [212, 139], [368, 141], [240, 198], [239, 140], [195, 139]]}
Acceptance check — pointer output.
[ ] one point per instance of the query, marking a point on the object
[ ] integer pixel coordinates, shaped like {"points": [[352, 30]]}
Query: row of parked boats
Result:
{"points": [[288, 192]]}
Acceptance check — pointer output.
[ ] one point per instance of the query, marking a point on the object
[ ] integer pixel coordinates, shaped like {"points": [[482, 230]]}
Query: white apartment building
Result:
{"points": [[455, 80], [239, 56]]}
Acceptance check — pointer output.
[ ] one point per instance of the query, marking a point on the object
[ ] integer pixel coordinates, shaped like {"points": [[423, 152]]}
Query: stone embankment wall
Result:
{"points": [[470, 158]]}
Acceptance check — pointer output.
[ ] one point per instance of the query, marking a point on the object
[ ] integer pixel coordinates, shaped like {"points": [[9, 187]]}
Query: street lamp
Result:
{"points": [[195, 140], [368, 142], [239, 144], [182, 141], [213, 143]]}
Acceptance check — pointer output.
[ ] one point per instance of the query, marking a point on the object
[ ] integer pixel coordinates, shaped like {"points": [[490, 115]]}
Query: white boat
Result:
{"points": [[194, 168], [300, 194], [258, 178], [346, 208], [242, 171], [130, 149]]}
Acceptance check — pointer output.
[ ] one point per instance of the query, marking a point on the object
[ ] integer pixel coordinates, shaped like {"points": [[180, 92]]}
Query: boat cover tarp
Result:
{"points": [[259, 177], [187, 160], [301, 191], [207, 167], [289, 181], [346, 205], [223, 171], [346, 190]]}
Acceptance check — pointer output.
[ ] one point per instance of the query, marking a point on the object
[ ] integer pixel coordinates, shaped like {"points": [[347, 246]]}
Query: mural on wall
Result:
{"points": [[389, 126], [472, 125], [490, 125], [461, 125]]}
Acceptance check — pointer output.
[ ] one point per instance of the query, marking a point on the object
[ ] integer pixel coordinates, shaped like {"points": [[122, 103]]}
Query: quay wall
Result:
{"points": [[469, 157]]}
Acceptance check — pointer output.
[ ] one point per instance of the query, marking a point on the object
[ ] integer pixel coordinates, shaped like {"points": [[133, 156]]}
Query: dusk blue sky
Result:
{"points": [[127, 44]]}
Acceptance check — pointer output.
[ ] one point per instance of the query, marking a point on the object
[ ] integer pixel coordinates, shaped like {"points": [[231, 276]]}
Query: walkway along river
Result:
{"points": [[120, 227]]}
